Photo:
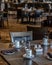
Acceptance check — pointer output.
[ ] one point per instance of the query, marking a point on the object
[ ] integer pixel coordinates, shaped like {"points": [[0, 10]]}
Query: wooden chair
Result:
{"points": [[19, 14]]}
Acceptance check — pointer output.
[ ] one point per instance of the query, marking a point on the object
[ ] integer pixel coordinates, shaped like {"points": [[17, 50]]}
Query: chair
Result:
{"points": [[26, 36], [5, 17], [19, 14], [25, 16], [5, 13]]}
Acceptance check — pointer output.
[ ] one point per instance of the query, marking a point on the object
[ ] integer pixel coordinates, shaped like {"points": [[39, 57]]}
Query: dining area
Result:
{"points": [[27, 12], [30, 14], [27, 38]]}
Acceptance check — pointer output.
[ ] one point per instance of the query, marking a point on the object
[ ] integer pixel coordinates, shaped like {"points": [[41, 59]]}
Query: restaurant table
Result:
{"points": [[28, 11], [18, 59]]}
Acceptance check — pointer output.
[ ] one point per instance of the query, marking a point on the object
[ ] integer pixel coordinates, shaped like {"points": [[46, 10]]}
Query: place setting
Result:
{"points": [[8, 51], [12, 48], [28, 52], [17, 44]]}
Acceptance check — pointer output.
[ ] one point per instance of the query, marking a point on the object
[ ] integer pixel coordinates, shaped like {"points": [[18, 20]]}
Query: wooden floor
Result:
{"points": [[13, 25]]}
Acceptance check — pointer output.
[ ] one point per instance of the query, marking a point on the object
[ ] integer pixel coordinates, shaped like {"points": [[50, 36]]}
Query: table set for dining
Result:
{"points": [[27, 11], [34, 53]]}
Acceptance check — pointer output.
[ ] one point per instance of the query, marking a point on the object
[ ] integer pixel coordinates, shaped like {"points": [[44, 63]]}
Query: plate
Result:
{"points": [[8, 52], [28, 57]]}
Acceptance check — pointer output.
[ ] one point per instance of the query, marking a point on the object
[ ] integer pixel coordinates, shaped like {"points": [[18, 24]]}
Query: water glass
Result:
{"points": [[28, 46], [29, 52], [51, 45], [35, 46], [17, 44], [45, 50], [28, 62]]}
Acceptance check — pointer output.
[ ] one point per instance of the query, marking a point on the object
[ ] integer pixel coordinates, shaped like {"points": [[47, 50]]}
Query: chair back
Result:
{"points": [[26, 36]]}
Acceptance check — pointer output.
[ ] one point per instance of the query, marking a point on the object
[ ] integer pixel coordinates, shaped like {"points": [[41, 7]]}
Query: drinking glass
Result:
{"points": [[45, 50], [51, 45], [35, 46], [28, 45], [28, 62], [23, 41]]}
